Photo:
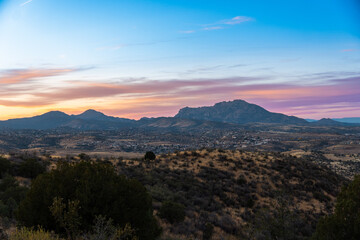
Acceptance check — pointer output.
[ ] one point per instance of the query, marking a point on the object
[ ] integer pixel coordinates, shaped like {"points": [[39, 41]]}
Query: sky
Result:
{"points": [[137, 58]]}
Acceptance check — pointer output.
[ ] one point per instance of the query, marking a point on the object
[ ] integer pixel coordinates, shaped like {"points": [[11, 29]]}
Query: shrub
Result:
{"points": [[5, 166], [99, 191], [172, 212], [208, 231], [345, 222], [31, 234], [84, 156], [241, 180], [149, 156], [104, 229], [31, 168], [10, 196]]}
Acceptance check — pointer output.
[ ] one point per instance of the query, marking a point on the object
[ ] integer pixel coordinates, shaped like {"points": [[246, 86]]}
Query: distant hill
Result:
{"points": [[237, 111], [348, 120], [48, 120], [90, 119], [99, 116], [328, 122]]}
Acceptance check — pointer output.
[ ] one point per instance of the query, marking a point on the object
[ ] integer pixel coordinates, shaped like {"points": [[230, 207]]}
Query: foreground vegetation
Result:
{"points": [[208, 194]]}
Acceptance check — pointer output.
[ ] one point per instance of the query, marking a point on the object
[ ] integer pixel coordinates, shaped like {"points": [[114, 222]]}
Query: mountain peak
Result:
{"points": [[91, 114], [55, 114], [237, 111], [328, 122]]}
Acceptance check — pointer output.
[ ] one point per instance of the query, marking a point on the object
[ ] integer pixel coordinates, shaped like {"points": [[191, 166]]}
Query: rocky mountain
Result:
{"points": [[237, 111]]}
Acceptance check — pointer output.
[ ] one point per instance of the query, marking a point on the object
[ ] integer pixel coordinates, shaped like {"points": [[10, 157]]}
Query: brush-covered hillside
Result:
{"points": [[199, 194], [237, 193]]}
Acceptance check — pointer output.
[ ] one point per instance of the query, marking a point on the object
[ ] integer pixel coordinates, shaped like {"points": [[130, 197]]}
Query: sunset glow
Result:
{"points": [[138, 58]]}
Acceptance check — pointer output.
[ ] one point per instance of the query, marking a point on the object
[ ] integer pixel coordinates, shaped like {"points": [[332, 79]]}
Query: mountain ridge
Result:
{"points": [[229, 114]]}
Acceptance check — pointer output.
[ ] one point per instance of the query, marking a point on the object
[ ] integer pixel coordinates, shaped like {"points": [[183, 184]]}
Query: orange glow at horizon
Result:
{"points": [[25, 93]]}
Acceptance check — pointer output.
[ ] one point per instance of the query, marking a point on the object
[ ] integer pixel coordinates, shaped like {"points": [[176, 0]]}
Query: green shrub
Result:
{"points": [[104, 229], [345, 222], [31, 168], [172, 212], [31, 234], [99, 191], [10, 196]]}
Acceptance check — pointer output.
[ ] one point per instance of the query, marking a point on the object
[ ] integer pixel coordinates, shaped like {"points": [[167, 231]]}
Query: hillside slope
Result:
{"points": [[229, 189]]}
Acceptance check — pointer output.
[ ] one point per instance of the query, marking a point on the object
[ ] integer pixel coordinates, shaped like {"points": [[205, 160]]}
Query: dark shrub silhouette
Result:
{"points": [[99, 191], [172, 212], [345, 222], [150, 156]]}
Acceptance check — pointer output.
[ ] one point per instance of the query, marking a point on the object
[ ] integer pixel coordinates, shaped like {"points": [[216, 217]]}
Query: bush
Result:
{"points": [[31, 234], [172, 212], [345, 222], [5, 166], [150, 156], [241, 180], [31, 168], [208, 231], [10, 196], [103, 229], [84, 156], [98, 190]]}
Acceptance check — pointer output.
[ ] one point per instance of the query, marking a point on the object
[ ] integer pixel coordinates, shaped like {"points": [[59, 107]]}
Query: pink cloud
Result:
{"points": [[164, 98], [22, 75]]}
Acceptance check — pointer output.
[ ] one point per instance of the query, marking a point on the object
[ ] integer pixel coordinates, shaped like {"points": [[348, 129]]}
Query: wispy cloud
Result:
{"points": [[337, 95], [212, 28], [350, 50], [15, 76], [24, 3], [227, 23], [187, 31], [237, 20]]}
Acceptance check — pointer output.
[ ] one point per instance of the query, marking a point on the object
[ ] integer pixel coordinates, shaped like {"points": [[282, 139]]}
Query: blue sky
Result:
{"points": [[273, 48]]}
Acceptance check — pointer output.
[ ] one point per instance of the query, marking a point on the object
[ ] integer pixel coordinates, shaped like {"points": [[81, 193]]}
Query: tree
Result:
{"points": [[67, 215], [150, 156], [99, 191], [279, 222], [84, 156], [31, 168], [208, 231], [172, 212], [345, 222], [10, 196], [5, 166]]}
